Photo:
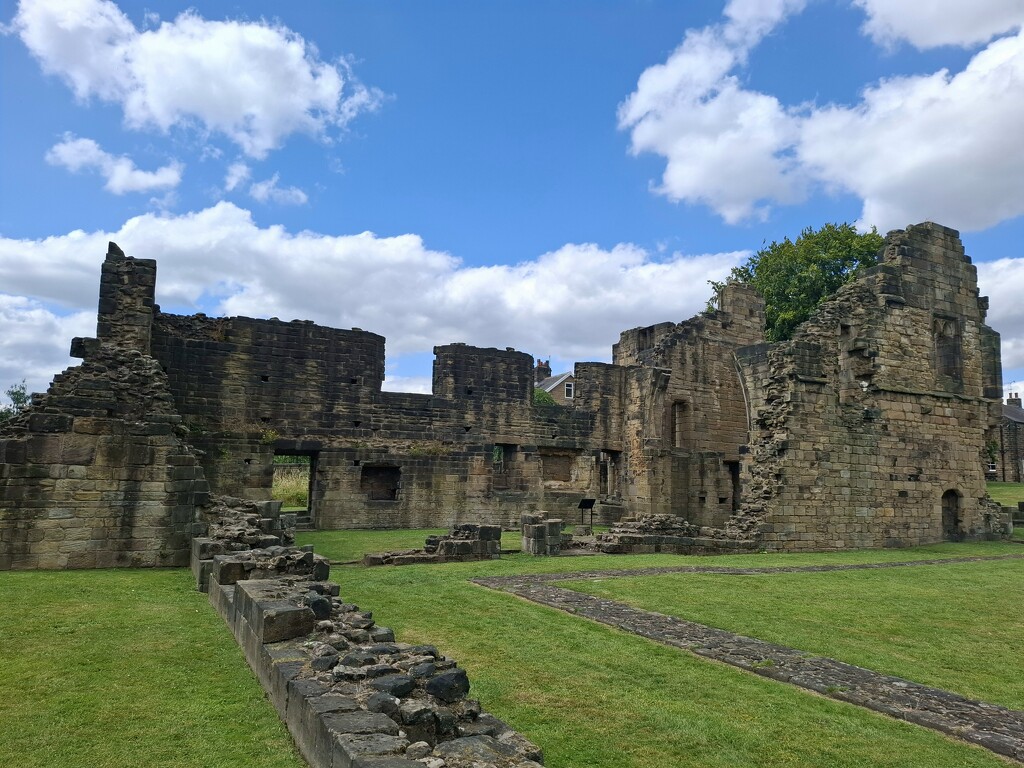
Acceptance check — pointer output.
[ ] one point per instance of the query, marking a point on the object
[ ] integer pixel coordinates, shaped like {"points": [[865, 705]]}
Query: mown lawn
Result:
{"points": [[594, 696], [1007, 494], [116, 668], [952, 626], [107, 669]]}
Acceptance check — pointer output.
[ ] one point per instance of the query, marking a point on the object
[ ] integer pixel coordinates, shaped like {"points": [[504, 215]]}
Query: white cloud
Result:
{"points": [[254, 82], [940, 147], [1003, 282], [120, 173], [237, 173], [573, 301], [943, 146], [725, 146], [268, 191], [940, 22], [35, 342]]}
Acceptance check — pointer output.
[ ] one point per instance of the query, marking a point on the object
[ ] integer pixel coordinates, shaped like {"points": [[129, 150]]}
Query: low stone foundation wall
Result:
{"points": [[541, 536], [466, 542], [668, 534], [351, 696]]}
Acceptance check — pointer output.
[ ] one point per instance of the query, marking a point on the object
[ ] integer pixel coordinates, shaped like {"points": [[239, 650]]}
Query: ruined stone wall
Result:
{"points": [[869, 426], [474, 451], [95, 473], [686, 416]]}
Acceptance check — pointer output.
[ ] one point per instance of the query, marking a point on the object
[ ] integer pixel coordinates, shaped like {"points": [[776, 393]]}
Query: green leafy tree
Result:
{"points": [[540, 397], [795, 276], [17, 394]]}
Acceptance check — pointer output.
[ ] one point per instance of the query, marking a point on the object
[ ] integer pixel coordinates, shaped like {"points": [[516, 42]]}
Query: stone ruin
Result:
{"points": [[541, 535], [869, 428], [465, 543], [668, 534], [350, 694]]}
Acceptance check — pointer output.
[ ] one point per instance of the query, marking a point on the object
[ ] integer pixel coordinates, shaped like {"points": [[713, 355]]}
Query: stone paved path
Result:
{"points": [[988, 725]]}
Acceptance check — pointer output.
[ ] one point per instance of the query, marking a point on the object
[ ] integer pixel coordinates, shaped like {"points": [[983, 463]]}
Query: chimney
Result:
{"points": [[1013, 399], [543, 371]]}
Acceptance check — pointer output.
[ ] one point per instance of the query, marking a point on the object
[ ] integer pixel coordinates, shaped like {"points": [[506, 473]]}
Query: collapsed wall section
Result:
{"points": [[869, 425], [95, 473], [685, 422]]}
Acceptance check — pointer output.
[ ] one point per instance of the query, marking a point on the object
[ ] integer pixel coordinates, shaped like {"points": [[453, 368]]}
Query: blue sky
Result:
{"points": [[530, 174]]}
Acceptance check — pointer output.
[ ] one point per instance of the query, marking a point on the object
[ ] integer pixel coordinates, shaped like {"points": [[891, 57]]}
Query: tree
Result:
{"points": [[540, 397], [794, 277], [18, 395]]}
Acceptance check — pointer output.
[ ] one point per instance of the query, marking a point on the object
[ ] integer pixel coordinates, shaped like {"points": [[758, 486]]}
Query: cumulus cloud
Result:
{"points": [[573, 301], [942, 146], [725, 146], [268, 191], [120, 173], [35, 342], [1003, 282], [254, 82], [939, 22], [237, 173]]}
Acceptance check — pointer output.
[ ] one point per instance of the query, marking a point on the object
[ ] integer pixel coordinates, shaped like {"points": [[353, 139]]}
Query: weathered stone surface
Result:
{"points": [[450, 686]]}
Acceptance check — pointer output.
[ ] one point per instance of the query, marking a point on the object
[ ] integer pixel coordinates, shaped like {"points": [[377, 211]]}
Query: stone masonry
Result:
{"points": [[867, 429]]}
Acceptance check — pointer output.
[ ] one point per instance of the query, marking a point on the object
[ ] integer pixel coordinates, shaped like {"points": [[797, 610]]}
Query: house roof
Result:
{"points": [[1013, 413], [551, 382]]}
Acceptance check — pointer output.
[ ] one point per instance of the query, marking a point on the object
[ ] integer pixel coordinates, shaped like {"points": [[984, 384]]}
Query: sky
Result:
{"points": [[532, 175]]}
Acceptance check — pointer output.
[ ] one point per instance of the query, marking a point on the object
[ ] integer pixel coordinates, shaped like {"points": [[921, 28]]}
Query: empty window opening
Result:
{"points": [[645, 339], [380, 483], [608, 473], [948, 356], [734, 478], [503, 466]]}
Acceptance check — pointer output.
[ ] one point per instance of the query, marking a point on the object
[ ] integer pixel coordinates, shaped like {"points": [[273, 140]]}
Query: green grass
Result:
{"points": [[953, 626], [116, 668], [346, 546], [291, 485], [1007, 494], [597, 697]]}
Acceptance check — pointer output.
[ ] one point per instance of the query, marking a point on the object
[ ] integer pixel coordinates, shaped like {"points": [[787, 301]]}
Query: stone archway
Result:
{"points": [[952, 528]]}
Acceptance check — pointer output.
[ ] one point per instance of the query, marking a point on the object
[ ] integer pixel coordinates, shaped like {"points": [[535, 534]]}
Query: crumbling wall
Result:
{"points": [[348, 691], [471, 452], [869, 425], [95, 473], [686, 415]]}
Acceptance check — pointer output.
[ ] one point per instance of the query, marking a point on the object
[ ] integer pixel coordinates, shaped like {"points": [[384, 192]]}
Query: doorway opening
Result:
{"points": [[952, 525], [294, 474]]}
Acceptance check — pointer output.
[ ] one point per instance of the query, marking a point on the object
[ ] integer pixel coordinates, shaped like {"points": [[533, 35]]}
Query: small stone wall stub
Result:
{"points": [[466, 542]]}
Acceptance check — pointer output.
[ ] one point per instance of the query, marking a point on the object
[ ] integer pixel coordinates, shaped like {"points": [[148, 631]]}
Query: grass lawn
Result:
{"points": [[953, 626], [115, 668], [350, 545], [594, 696], [1007, 494], [106, 669]]}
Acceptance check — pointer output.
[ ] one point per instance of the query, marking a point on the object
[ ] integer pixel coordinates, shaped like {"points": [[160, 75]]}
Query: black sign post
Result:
{"points": [[587, 504]]}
